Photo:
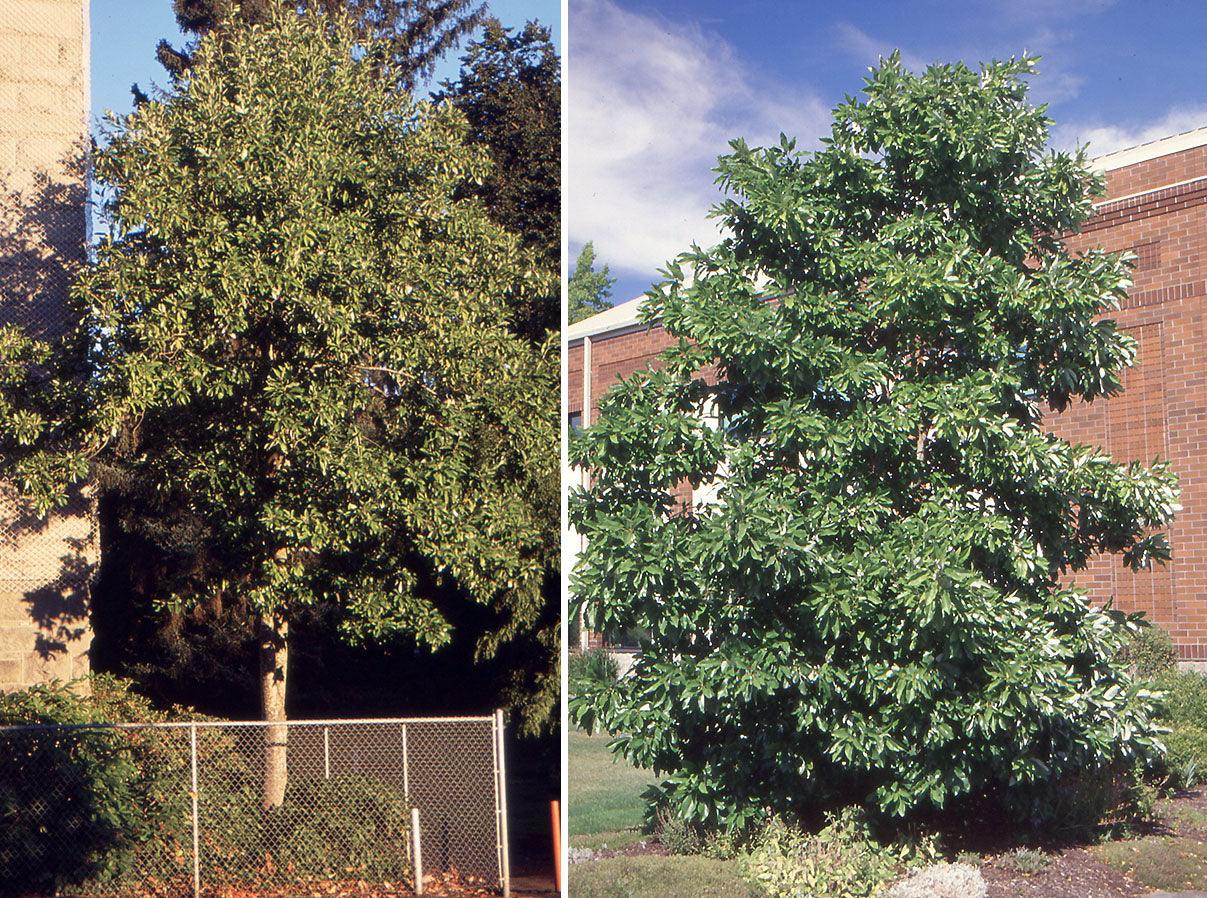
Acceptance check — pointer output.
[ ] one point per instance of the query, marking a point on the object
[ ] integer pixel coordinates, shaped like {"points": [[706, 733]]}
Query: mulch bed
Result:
{"points": [[646, 846], [1074, 872], [445, 886]]}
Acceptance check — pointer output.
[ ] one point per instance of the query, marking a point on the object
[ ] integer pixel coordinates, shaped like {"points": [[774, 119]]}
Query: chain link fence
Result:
{"points": [[179, 809]]}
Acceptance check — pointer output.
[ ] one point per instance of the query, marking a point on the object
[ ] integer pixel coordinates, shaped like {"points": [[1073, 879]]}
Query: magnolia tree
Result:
{"points": [[296, 340], [876, 607]]}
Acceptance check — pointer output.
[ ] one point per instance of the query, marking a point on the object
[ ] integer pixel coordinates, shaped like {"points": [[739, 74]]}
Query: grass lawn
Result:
{"points": [[648, 876], [605, 795], [1169, 863], [606, 810]]}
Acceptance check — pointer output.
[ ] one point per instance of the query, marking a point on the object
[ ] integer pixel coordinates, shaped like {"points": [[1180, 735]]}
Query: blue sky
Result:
{"points": [[125, 33], [656, 89]]}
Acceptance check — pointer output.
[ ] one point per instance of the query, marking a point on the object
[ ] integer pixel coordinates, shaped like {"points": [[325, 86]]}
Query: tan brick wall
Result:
{"points": [[45, 565]]}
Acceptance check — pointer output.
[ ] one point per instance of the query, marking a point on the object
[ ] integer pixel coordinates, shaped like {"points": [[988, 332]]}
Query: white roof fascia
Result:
{"points": [[1154, 149], [619, 317]]}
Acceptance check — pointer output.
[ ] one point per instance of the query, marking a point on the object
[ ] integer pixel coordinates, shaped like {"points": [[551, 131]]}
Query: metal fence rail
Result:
{"points": [[177, 809]]}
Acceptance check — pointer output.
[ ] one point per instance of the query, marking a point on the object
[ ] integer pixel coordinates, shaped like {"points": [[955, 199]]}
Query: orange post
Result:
{"points": [[556, 816]]}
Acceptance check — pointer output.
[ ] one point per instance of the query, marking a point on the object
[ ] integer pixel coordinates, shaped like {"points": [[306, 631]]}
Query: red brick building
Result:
{"points": [[1155, 206]]}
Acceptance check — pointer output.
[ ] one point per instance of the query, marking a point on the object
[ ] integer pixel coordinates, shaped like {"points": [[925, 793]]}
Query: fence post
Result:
{"points": [[406, 768], [327, 752], [502, 793], [555, 817], [417, 850], [196, 822]]}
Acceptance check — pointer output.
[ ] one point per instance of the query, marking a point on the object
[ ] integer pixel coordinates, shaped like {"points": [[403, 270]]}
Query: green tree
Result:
{"points": [[875, 607], [292, 338], [510, 90], [415, 33], [587, 290]]}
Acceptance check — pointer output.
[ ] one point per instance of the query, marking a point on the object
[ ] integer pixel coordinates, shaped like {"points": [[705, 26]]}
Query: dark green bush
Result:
{"points": [[1186, 756], [81, 804], [1183, 708], [594, 666], [1089, 800], [1185, 697]]}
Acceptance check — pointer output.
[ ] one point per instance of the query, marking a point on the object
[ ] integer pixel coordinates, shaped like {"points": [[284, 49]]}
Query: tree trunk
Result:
{"points": [[274, 660]]}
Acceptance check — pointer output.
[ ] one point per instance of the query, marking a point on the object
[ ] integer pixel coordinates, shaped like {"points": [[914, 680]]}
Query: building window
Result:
{"points": [[574, 423]]}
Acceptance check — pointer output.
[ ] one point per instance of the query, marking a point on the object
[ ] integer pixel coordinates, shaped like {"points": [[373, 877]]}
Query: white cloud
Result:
{"points": [[863, 46], [1054, 85], [1104, 139], [652, 103], [1030, 10]]}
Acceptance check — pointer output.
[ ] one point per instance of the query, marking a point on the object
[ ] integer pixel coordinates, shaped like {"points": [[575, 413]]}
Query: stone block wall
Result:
{"points": [[45, 564]]}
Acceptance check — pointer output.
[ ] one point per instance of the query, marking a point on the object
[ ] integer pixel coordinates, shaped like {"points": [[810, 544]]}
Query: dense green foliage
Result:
{"points": [[295, 356], [347, 827], [78, 805], [874, 608], [510, 90], [587, 290], [1184, 696], [1150, 653]]}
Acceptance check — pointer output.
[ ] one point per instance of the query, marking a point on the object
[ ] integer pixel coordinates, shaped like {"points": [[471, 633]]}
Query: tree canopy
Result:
{"points": [[877, 606], [295, 344]]}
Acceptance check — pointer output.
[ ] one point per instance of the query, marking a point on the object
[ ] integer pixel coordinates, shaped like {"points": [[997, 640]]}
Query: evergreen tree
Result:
{"points": [[510, 91], [587, 290], [415, 33]]}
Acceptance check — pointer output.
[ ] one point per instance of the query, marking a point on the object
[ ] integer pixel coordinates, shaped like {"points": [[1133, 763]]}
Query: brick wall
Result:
{"points": [[45, 565], [1151, 210], [1157, 209]]}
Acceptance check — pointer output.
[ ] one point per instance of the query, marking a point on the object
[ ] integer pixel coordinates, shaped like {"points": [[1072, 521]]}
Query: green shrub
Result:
{"points": [[1088, 800], [1027, 861], [1184, 697], [843, 860], [722, 845], [594, 666], [338, 828], [676, 835], [81, 804], [1186, 756], [1150, 653], [1183, 708]]}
